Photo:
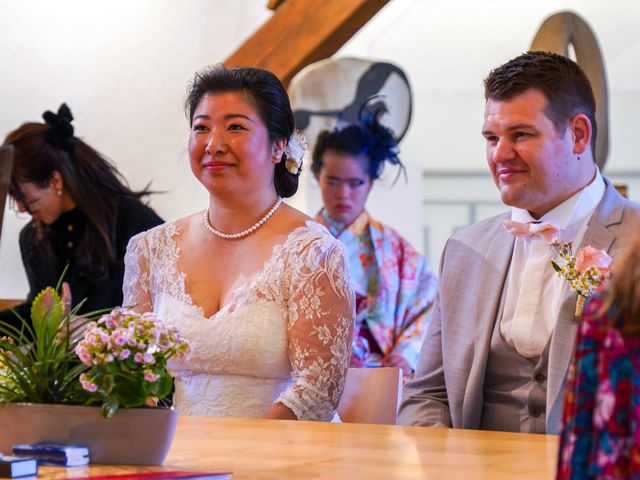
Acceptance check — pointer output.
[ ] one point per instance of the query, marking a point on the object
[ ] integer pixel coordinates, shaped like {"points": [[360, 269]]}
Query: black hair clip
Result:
{"points": [[60, 131]]}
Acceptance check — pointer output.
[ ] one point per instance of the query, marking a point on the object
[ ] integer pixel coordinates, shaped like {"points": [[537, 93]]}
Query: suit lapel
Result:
{"points": [[492, 278], [608, 212]]}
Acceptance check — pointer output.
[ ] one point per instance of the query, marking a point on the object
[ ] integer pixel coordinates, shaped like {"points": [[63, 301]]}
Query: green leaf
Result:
{"points": [[17, 334], [47, 312], [556, 267], [162, 386], [107, 384], [18, 377], [130, 391]]}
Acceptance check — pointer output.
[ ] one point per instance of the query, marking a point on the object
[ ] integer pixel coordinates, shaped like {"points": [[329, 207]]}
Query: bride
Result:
{"points": [[258, 288]]}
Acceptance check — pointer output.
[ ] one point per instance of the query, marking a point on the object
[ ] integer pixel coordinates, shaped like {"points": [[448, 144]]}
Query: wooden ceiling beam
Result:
{"points": [[301, 32]]}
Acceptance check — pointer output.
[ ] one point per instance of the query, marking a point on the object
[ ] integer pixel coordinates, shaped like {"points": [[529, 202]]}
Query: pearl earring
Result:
{"points": [[59, 193]]}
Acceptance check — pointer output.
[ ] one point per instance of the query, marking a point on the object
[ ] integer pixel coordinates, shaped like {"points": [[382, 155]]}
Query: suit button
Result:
{"points": [[536, 412], [539, 377]]}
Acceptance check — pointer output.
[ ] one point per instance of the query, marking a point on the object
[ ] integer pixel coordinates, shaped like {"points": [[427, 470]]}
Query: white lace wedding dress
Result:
{"points": [[284, 336]]}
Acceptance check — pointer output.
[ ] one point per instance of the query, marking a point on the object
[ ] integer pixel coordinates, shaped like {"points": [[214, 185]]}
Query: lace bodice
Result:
{"points": [[285, 334]]}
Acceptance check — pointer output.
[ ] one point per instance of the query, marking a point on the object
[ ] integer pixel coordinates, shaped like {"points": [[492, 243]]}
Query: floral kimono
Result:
{"points": [[394, 286]]}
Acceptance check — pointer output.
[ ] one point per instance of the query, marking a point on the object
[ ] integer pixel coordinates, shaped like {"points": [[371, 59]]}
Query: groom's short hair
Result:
{"points": [[561, 80]]}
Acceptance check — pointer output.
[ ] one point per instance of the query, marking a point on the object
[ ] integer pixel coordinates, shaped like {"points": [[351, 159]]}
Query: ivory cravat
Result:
{"points": [[539, 235], [530, 294], [533, 290]]}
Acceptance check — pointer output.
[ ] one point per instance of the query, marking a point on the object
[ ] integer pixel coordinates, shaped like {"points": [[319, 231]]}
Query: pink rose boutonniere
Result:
{"points": [[585, 272]]}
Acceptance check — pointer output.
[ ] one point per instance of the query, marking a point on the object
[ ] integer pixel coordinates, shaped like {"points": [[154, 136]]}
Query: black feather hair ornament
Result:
{"points": [[382, 144]]}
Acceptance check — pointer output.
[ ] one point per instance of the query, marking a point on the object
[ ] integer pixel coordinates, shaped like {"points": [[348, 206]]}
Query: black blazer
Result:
{"points": [[132, 217]]}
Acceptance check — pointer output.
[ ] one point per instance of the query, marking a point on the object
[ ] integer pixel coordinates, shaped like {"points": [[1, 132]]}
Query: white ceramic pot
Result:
{"points": [[133, 436]]}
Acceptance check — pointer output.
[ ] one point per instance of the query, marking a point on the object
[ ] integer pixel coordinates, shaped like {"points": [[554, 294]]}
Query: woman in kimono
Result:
{"points": [[395, 288]]}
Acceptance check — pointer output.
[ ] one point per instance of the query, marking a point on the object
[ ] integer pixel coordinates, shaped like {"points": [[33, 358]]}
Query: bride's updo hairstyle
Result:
{"points": [[368, 139], [270, 100]]}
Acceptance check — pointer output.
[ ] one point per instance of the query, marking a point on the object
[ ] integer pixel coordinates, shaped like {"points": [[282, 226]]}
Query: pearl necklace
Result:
{"points": [[243, 233]]}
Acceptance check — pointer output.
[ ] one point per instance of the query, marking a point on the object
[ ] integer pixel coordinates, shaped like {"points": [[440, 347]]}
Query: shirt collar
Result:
{"points": [[574, 209], [356, 227]]}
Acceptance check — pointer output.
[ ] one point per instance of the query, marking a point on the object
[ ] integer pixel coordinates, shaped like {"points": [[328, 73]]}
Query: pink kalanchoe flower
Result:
{"points": [[593, 257], [87, 384], [136, 337], [83, 355], [148, 358]]}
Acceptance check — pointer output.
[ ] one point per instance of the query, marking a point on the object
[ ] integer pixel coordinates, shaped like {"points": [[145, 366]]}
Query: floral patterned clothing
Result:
{"points": [[601, 434], [393, 282]]}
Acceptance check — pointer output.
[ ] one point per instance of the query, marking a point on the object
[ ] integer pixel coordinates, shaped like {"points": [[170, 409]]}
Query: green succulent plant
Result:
{"points": [[61, 358], [37, 360]]}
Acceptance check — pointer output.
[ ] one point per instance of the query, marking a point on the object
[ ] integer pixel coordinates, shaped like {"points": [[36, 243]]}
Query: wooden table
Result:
{"points": [[274, 449]]}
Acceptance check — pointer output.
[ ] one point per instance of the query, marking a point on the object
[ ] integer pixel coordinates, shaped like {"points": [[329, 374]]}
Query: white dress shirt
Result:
{"points": [[534, 290]]}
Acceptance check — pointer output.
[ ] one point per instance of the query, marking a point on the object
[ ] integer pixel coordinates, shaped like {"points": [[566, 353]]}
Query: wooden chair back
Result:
{"points": [[371, 395]]}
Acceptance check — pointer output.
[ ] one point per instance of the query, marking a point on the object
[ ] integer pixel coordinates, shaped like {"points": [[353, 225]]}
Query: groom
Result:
{"points": [[502, 332]]}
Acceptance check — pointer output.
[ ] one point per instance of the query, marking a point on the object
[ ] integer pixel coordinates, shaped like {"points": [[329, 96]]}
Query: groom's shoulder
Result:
{"points": [[631, 211], [615, 209]]}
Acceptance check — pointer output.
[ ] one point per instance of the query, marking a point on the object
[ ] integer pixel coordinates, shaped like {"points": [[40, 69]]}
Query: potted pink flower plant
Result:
{"points": [[63, 378], [127, 357]]}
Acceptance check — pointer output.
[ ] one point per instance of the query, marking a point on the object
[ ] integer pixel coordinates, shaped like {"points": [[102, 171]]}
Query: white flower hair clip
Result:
{"points": [[295, 150]]}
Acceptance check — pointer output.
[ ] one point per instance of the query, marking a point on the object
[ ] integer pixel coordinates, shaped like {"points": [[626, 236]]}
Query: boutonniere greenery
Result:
{"points": [[585, 271]]}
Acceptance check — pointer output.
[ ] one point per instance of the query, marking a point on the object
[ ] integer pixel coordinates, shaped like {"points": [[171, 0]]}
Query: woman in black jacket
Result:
{"points": [[83, 214]]}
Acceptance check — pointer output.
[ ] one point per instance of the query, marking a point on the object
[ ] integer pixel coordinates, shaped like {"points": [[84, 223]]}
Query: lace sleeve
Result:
{"points": [[321, 312], [135, 286]]}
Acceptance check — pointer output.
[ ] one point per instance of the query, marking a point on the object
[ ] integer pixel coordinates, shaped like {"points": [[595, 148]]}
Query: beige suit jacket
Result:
{"points": [[447, 388]]}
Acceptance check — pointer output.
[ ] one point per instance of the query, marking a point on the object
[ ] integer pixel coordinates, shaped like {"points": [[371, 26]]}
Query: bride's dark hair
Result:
{"points": [[270, 99]]}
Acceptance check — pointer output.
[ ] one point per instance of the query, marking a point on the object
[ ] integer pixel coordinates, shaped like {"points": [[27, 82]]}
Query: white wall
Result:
{"points": [[123, 67], [447, 47]]}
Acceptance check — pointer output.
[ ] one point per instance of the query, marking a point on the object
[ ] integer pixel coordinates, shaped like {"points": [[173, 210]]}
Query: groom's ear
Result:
{"points": [[581, 131]]}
